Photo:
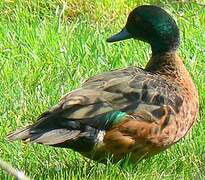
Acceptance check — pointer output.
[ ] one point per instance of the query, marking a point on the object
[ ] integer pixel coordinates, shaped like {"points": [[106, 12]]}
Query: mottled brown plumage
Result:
{"points": [[128, 111]]}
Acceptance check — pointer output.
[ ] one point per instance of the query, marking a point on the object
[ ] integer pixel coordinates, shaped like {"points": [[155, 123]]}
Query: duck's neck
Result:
{"points": [[168, 64], [171, 66]]}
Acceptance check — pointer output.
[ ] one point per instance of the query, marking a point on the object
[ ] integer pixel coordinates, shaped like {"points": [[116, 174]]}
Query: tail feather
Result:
{"points": [[49, 137], [54, 130], [55, 136], [20, 134]]}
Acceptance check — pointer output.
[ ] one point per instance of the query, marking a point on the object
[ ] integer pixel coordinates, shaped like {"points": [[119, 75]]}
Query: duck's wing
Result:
{"points": [[102, 102]]}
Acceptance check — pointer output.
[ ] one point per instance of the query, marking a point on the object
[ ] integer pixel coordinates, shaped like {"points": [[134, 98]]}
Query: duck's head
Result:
{"points": [[153, 25]]}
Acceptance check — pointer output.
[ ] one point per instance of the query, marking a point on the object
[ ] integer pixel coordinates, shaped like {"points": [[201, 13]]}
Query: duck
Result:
{"points": [[132, 111]]}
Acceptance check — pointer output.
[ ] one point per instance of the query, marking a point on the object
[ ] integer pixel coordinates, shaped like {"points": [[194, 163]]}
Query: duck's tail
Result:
{"points": [[19, 134], [55, 131], [49, 137]]}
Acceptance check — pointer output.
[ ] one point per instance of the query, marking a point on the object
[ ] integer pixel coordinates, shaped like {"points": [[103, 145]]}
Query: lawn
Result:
{"points": [[48, 48]]}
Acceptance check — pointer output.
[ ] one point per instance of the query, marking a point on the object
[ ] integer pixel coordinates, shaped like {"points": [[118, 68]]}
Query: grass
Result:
{"points": [[48, 48]]}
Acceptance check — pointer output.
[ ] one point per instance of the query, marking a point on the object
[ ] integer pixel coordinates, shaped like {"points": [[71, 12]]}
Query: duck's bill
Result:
{"points": [[122, 35]]}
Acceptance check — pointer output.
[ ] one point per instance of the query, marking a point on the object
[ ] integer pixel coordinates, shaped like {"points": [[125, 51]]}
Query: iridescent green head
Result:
{"points": [[153, 25]]}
